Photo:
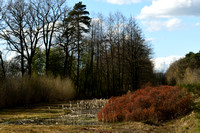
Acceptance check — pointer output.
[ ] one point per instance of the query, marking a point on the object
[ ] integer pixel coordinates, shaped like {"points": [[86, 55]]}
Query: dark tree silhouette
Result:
{"points": [[80, 20]]}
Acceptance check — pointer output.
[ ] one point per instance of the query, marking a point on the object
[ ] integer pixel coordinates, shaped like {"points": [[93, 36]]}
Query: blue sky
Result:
{"points": [[172, 26]]}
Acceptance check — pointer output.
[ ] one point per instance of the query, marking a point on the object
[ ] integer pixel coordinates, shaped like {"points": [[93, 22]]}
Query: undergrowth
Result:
{"points": [[29, 90], [193, 88], [150, 104]]}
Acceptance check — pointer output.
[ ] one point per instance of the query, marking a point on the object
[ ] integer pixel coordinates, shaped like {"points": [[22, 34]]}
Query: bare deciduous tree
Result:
{"points": [[50, 12], [12, 31]]}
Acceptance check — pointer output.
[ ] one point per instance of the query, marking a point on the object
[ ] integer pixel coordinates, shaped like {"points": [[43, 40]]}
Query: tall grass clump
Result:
{"points": [[150, 104], [29, 90]]}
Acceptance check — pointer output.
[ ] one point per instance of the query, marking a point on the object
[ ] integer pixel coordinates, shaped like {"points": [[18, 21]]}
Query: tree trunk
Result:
{"points": [[107, 73], [66, 73], [29, 67], [119, 65], [22, 51], [78, 65], [113, 72], [2, 65], [47, 61], [70, 64], [91, 63]]}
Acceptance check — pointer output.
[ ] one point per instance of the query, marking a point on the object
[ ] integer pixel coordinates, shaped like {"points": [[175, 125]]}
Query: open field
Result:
{"points": [[80, 116]]}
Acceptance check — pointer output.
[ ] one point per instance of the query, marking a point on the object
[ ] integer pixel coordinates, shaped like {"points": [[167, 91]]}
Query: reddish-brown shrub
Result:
{"points": [[152, 104]]}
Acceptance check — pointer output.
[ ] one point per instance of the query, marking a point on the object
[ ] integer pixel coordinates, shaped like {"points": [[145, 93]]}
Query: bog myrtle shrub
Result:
{"points": [[150, 104]]}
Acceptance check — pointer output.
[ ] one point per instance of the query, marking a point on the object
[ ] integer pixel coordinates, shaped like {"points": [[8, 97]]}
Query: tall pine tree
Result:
{"points": [[81, 23]]}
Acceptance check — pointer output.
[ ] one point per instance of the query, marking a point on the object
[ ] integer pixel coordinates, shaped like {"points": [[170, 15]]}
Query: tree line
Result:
{"points": [[103, 56], [185, 70]]}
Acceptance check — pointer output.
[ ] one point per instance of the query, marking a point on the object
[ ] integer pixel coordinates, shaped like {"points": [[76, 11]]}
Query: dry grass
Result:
{"points": [[126, 127], [36, 129], [17, 114], [26, 91], [188, 124]]}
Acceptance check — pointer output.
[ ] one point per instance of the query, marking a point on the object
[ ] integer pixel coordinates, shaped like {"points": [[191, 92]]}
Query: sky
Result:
{"points": [[171, 26]]}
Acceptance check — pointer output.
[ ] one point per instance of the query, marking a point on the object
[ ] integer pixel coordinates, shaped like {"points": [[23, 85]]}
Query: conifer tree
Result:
{"points": [[81, 23]]}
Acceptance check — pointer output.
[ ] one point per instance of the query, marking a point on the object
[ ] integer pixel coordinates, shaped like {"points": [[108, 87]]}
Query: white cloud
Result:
{"points": [[7, 55], [156, 25], [197, 24], [10, 55], [161, 64], [153, 25], [170, 8], [173, 24], [121, 2]]}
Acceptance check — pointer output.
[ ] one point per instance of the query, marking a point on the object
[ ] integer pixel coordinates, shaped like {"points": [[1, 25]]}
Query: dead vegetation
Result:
{"points": [[80, 116], [27, 90], [152, 105]]}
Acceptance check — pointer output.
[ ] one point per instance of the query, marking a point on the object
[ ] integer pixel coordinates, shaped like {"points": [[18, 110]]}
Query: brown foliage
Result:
{"points": [[151, 104]]}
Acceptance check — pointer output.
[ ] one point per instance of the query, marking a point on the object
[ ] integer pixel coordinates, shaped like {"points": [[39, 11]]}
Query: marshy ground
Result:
{"points": [[80, 116]]}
